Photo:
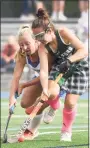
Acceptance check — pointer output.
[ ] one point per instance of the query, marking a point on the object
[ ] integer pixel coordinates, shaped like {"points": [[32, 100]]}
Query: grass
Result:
{"points": [[49, 133]]}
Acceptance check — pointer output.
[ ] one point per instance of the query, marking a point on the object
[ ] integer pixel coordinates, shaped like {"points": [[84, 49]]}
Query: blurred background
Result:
{"points": [[70, 13]]}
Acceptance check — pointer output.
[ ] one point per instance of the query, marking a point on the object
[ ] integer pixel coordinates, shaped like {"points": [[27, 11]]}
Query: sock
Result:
{"points": [[29, 110], [61, 12], [55, 104], [68, 119], [54, 14], [83, 13], [33, 126]]}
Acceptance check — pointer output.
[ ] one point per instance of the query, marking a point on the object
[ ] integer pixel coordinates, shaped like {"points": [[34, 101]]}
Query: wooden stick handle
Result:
{"points": [[58, 77]]}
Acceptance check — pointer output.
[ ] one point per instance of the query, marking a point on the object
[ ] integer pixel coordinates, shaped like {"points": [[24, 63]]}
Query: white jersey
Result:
{"points": [[34, 66]]}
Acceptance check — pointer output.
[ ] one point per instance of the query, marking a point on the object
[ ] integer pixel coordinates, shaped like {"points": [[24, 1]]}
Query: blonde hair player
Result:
{"points": [[32, 53]]}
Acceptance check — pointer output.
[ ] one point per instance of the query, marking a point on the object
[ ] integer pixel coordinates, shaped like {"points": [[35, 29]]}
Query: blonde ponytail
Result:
{"points": [[23, 29]]}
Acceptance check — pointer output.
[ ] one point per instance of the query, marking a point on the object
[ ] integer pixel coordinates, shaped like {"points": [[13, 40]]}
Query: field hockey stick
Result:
{"points": [[60, 79], [11, 111]]}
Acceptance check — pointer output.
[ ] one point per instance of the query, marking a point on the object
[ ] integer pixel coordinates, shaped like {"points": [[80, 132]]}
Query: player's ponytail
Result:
{"points": [[22, 29], [42, 14], [42, 20]]}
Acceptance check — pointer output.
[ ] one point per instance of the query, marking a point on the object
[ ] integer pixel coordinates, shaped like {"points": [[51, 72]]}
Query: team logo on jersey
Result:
{"points": [[68, 52]]}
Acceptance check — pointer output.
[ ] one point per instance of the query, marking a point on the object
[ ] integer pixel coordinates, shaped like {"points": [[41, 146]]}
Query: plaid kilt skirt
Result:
{"points": [[78, 82]]}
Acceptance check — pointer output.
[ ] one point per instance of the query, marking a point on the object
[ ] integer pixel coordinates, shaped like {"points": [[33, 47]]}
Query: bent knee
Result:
{"points": [[23, 104], [71, 101], [70, 105]]}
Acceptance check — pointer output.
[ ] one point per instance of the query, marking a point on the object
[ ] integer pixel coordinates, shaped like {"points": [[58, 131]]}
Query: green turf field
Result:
{"points": [[49, 133]]}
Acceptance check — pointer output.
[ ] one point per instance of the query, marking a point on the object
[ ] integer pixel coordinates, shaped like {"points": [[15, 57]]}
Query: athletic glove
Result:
{"points": [[64, 66]]}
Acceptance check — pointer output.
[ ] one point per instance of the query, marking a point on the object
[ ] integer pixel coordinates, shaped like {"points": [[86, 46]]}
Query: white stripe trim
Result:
{"points": [[62, 39]]}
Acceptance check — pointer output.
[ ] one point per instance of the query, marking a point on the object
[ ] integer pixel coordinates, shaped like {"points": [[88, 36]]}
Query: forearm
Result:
{"points": [[14, 86], [43, 55], [44, 82], [32, 82], [79, 55]]}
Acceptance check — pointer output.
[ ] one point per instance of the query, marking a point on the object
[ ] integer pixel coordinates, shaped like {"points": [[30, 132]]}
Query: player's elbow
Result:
{"points": [[85, 52]]}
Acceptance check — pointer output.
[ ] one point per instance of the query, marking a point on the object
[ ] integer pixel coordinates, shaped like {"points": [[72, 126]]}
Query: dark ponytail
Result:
{"points": [[42, 14], [42, 20]]}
